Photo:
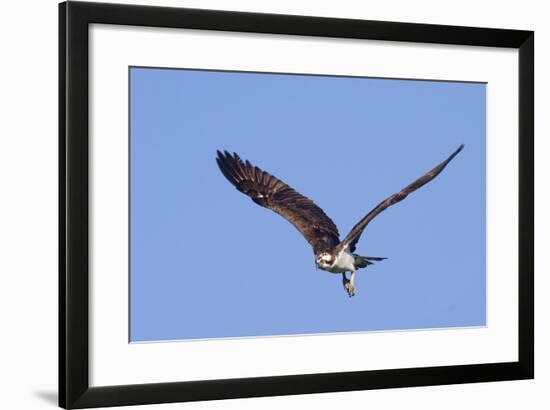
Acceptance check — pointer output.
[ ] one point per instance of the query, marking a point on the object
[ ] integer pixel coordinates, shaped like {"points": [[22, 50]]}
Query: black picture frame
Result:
{"points": [[74, 388]]}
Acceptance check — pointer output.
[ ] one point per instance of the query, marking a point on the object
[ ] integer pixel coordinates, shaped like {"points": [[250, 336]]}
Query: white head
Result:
{"points": [[324, 260]]}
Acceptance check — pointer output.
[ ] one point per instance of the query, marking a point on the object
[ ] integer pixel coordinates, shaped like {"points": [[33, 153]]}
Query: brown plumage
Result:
{"points": [[318, 229], [353, 236], [270, 192]]}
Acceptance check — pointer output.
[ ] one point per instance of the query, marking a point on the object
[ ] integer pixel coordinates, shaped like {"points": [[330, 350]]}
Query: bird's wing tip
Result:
{"points": [[455, 153]]}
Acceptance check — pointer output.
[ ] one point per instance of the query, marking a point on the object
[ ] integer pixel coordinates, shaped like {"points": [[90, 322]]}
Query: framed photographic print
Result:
{"points": [[256, 204]]}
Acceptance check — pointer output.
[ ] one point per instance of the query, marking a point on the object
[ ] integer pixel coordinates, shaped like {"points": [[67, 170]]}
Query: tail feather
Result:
{"points": [[364, 261]]}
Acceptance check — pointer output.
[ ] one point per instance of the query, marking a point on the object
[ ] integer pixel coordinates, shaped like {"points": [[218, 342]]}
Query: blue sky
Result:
{"points": [[206, 262]]}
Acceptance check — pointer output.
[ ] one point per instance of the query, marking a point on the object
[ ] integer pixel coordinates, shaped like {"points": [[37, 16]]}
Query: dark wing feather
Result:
{"points": [[353, 237], [270, 192]]}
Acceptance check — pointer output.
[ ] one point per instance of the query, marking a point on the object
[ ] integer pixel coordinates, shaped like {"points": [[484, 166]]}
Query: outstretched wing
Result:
{"points": [[270, 192], [353, 237]]}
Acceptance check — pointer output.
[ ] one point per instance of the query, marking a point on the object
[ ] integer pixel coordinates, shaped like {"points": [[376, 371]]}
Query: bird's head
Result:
{"points": [[324, 260]]}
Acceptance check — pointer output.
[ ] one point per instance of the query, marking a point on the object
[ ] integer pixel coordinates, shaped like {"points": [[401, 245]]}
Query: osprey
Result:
{"points": [[331, 254]]}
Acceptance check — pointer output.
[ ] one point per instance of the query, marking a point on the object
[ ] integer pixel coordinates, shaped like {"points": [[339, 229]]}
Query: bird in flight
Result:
{"points": [[331, 253]]}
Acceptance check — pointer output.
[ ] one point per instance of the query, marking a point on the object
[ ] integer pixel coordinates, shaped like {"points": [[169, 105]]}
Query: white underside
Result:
{"points": [[345, 262]]}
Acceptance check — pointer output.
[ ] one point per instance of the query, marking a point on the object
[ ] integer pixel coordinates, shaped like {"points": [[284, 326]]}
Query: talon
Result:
{"points": [[350, 288]]}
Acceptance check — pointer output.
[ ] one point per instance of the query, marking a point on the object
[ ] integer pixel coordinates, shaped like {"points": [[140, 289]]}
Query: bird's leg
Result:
{"points": [[349, 285], [345, 281]]}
